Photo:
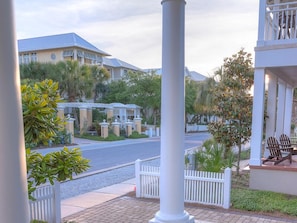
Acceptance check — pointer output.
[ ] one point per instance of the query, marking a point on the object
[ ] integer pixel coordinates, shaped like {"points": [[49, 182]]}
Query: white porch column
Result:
{"points": [[172, 108], [13, 185], [288, 110], [258, 113], [280, 108], [271, 109]]}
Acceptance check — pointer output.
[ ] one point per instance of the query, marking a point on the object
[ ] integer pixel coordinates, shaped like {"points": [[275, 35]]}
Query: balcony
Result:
{"points": [[280, 23], [276, 49]]}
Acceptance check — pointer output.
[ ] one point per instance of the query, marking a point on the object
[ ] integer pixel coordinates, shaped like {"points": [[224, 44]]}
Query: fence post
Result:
{"points": [[57, 202], [137, 177], [227, 187]]}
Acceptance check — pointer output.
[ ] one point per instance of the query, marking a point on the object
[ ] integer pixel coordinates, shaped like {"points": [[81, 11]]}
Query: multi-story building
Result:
{"points": [[70, 46], [276, 74], [118, 68], [60, 47]]}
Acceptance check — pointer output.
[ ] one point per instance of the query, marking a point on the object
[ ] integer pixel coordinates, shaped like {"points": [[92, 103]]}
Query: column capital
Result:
{"points": [[104, 123], [172, 0]]}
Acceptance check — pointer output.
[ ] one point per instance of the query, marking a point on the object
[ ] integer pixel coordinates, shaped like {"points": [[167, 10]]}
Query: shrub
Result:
{"points": [[38, 221], [112, 137], [39, 103], [59, 165], [62, 137], [210, 157], [136, 135]]}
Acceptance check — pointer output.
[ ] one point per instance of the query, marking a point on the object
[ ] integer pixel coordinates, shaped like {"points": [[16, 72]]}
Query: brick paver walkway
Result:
{"points": [[135, 210]]}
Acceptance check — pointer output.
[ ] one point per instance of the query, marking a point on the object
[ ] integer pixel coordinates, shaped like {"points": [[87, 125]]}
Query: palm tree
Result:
{"points": [[76, 81], [204, 100]]}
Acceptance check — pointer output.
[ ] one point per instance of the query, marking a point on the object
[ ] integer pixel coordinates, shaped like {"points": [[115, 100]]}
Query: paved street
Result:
{"points": [[123, 152], [111, 154], [103, 179], [105, 156]]}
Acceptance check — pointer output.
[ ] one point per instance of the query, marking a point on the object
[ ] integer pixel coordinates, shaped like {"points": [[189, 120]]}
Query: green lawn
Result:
{"points": [[243, 198]]}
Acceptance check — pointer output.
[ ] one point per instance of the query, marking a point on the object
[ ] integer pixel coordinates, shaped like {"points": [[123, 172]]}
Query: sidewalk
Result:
{"points": [[82, 202], [117, 203]]}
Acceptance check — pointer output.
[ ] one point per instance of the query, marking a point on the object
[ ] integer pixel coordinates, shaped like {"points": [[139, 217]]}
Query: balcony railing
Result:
{"points": [[280, 22]]}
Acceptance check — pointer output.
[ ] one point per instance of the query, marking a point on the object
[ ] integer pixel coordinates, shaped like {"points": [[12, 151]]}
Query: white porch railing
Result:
{"points": [[281, 21], [47, 206], [199, 187]]}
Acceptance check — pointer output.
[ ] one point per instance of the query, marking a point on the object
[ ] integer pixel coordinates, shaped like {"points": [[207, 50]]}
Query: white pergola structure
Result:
{"points": [[13, 186], [119, 111], [276, 74]]}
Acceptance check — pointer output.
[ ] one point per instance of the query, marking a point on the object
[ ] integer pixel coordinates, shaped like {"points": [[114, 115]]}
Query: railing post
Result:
{"points": [[137, 177], [227, 187], [57, 202]]}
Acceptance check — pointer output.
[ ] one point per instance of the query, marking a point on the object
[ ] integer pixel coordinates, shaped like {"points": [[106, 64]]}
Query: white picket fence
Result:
{"points": [[199, 187], [47, 206]]}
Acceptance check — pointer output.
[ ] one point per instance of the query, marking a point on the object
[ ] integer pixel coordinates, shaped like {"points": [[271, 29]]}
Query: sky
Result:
{"points": [[131, 30]]}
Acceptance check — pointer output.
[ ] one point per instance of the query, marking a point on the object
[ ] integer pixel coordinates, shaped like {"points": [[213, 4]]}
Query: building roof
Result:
{"points": [[193, 75], [114, 62], [55, 42]]}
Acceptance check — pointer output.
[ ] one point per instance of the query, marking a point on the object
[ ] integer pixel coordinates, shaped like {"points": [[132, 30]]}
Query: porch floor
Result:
{"points": [[285, 164]]}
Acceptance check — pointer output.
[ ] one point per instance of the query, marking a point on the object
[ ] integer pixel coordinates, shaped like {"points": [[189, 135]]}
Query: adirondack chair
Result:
{"points": [[277, 154], [286, 143]]}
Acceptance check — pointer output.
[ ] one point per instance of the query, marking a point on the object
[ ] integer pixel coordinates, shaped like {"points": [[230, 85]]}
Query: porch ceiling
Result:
{"points": [[287, 74]]}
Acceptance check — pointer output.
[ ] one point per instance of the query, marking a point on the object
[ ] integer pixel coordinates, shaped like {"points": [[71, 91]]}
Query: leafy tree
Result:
{"points": [[233, 102], [138, 88], [117, 91], [39, 71], [190, 97], [145, 91], [100, 76], [39, 103]]}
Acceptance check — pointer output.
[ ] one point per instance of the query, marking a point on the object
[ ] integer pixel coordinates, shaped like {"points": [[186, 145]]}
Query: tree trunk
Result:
{"points": [[238, 158]]}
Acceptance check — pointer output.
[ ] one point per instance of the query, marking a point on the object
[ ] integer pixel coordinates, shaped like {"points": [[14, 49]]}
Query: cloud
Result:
{"points": [[132, 30]]}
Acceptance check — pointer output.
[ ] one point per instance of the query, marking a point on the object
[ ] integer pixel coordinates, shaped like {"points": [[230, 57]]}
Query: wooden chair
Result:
{"points": [[277, 154], [286, 144]]}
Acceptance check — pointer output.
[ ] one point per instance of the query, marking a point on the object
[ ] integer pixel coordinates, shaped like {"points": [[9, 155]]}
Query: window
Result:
{"points": [[67, 53], [20, 59], [26, 58], [33, 57]]}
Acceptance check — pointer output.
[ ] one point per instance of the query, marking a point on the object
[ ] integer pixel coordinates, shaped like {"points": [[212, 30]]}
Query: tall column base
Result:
{"points": [[161, 218]]}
